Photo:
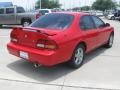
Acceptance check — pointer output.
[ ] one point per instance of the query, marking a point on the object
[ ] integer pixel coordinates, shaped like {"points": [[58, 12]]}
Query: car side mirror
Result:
{"points": [[107, 24]]}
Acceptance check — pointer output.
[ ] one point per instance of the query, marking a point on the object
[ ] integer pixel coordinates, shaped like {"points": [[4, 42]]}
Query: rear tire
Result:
{"points": [[26, 23], [112, 18], [110, 41], [77, 57]]}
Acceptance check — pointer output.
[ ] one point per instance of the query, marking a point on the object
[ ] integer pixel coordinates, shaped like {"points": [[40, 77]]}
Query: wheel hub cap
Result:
{"points": [[111, 41], [79, 56]]}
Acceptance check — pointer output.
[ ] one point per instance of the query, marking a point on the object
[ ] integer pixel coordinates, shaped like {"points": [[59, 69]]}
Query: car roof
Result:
{"points": [[73, 13]]}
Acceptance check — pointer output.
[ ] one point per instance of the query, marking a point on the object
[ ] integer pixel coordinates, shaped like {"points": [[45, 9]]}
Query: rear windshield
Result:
{"points": [[53, 21]]}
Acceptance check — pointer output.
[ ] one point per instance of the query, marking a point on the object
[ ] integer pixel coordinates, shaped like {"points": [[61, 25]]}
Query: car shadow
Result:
{"points": [[94, 54], [42, 74], [45, 74]]}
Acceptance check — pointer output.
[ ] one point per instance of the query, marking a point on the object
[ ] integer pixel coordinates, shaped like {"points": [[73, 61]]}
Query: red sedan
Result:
{"points": [[60, 37]]}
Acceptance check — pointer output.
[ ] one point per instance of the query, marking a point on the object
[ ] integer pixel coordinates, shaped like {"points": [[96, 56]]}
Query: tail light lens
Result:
{"points": [[14, 36], [14, 40], [38, 15], [47, 44], [15, 33]]}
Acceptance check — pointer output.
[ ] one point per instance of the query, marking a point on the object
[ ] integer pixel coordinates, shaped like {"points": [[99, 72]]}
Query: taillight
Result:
{"points": [[13, 37], [15, 34], [38, 15], [47, 44]]}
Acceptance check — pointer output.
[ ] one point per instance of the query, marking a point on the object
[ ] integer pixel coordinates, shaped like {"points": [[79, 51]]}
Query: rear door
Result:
{"points": [[10, 17], [102, 30], [89, 30]]}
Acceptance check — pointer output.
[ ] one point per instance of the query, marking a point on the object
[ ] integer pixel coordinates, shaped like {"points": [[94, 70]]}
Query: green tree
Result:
{"points": [[118, 5], [103, 5], [76, 8], [47, 4], [85, 8]]}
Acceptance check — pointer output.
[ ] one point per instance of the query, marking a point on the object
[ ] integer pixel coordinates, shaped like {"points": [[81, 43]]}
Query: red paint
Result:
{"points": [[61, 43]]}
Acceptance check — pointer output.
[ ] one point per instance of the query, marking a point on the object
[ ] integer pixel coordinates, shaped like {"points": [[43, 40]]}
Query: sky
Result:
{"points": [[65, 3], [75, 3]]}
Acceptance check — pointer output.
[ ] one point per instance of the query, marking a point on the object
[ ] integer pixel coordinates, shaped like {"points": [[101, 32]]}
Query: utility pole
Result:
{"points": [[40, 4]]}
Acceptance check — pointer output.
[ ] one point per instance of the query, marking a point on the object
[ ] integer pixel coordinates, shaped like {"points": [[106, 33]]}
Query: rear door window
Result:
{"points": [[9, 10], [86, 23], [54, 21]]}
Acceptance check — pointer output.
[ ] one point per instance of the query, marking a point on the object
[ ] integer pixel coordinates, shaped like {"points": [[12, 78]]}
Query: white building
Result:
{"points": [[26, 4]]}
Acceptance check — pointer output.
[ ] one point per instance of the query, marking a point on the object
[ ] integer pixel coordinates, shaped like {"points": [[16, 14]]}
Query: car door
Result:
{"points": [[89, 32], [2, 12], [102, 30], [9, 17]]}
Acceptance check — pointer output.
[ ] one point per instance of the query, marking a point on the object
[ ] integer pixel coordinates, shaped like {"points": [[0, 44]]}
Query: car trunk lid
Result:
{"points": [[30, 36]]}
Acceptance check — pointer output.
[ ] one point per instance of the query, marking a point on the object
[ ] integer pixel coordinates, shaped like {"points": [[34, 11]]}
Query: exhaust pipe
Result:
{"points": [[37, 65]]}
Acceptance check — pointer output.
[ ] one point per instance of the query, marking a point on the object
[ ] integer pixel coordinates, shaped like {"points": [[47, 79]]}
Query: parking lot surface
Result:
{"points": [[100, 70]]}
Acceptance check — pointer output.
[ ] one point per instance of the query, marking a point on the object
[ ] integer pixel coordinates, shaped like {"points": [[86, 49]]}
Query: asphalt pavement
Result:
{"points": [[101, 70]]}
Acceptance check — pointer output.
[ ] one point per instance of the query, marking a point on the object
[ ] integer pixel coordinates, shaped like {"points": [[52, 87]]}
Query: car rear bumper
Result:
{"points": [[43, 57]]}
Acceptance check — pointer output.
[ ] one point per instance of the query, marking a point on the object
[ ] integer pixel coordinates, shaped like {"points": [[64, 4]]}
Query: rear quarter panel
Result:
{"points": [[67, 40]]}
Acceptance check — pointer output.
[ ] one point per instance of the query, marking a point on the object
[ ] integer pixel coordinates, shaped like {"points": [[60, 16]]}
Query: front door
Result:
{"points": [[103, 31], [90, 33]]}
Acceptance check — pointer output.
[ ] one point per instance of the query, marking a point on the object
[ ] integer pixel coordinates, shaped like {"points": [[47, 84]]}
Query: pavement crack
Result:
{"points": [[63, 82], [62, 86], [110, 55]]}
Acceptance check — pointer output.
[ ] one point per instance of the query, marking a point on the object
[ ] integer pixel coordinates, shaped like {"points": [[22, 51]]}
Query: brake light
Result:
{"points": [[14, 35], [47, 44], [38, 15], [13, 38]]}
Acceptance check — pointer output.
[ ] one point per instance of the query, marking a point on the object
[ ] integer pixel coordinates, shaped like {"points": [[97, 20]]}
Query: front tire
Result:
{"points": [[110, 41], [77, 57]]}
